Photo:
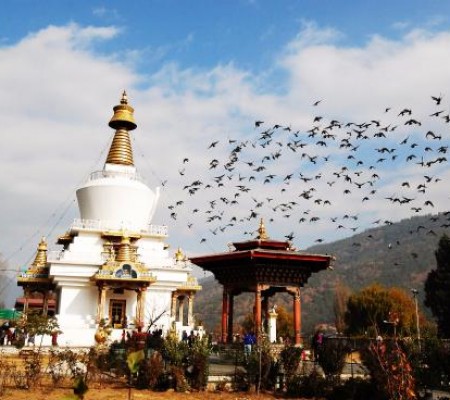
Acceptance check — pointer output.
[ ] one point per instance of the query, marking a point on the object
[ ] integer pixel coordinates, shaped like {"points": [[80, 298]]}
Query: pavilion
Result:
{"points": [[264, 267]]}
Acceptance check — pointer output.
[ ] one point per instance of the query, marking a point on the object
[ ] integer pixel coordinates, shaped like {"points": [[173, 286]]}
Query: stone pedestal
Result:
{"points": [[272, 326]]}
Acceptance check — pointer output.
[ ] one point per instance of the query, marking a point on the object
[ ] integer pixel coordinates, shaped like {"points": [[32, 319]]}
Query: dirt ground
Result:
{"points": [[122, 394]]}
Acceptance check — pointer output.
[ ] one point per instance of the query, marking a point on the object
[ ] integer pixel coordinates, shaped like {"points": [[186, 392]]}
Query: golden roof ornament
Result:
{"points": [[190, 285], [126, 252], [38, 272], [123, 122], [262, 234], [41, 256], [179, 256], [123, 117]]}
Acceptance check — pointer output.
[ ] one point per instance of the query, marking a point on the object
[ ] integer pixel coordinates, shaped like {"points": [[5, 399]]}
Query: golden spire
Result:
{"points": [[123, 122], [41, 256], [125, 252], [262, 234]]}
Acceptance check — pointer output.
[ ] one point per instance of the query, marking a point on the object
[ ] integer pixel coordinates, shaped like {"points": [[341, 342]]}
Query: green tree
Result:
{"points": [[366, 310], [437, 286], [285, 322], [376, 310]]}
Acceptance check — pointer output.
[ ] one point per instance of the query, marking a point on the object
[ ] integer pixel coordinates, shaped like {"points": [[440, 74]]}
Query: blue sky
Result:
{"points": [[199, 71], [201, 34]]}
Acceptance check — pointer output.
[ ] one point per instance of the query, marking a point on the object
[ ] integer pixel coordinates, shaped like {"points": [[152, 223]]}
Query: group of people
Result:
{"points": [[7, 334], [189, 339], [140, 339], [11, 335]]}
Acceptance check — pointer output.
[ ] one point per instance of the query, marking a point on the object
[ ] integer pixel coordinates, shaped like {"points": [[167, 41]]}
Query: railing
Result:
{"points": [[190, 283], [115, 174], [58, 255], [98, 225]]}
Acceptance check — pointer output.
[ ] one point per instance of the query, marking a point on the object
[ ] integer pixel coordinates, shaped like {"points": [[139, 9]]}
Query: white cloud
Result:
{"points": [[357, 81]]}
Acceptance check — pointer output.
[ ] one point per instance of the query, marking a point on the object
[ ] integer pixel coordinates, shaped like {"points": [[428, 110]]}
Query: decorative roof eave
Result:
{"points": [[261, 254], [30, 280], [262, 244], [243, 270], [189, 288], [121, 233], [35, 302], [65, 239], [191, 285], [109, 278], [37, 274]]}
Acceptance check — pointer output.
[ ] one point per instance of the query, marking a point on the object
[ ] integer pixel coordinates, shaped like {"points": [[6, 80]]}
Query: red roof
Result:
{"points": [[269, 262]]}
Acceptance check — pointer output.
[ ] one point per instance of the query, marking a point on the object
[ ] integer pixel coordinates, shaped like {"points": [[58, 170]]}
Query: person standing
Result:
{"points": [[249, 341]]}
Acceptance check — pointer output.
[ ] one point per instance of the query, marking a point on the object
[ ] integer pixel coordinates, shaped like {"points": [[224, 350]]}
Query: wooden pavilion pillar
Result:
{"points": [[230, 318], [190, 318], [27, 294], [140, 306], [101, 303], [225, 307], [265, 312], [173, 310], [45, 303], [181, 310], [297, 317], [257, 316]]}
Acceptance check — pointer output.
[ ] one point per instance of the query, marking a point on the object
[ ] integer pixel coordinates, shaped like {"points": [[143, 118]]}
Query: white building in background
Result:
{"points": [[113, 264]]}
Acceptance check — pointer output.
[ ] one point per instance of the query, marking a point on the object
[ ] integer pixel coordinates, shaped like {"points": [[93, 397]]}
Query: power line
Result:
{"points": [[64, 206]]}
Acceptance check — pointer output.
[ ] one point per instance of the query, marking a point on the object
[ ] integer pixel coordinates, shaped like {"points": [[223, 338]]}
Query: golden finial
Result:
{"points": [[41, 256], [179, 256], [262, 234], [124, 99], [123, 117], [123, 121]]}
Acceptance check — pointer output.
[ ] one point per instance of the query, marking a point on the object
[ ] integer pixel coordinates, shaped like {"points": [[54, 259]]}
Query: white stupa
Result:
{"points": [[114, 265]]}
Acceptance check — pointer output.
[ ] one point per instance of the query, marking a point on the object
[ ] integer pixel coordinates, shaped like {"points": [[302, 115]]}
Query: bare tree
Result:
{"points": [[154, 315]]}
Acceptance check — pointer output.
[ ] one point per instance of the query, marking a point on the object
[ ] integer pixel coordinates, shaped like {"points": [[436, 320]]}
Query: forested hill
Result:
{"points": [[392, 254]]}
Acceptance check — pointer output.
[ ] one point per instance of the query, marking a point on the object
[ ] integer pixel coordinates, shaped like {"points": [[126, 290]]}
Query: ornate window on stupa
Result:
{"points": [[122, 264]]}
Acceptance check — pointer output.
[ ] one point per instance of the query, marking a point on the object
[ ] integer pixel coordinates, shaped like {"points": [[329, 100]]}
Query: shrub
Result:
{"points": [[174, 352], [198, 363], [151, 371], [259, 366], [179, 379], [356, 389], [390, 370], [241, 381], [290, 358], [307, 386], [432, 364], [331, 356], [32, 366]]}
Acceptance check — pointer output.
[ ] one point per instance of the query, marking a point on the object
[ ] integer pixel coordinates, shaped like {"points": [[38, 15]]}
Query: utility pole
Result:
{"points": [[415, 293]]}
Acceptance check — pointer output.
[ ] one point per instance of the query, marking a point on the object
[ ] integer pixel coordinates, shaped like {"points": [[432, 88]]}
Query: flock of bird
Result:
{"points": [[318, 175]]}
